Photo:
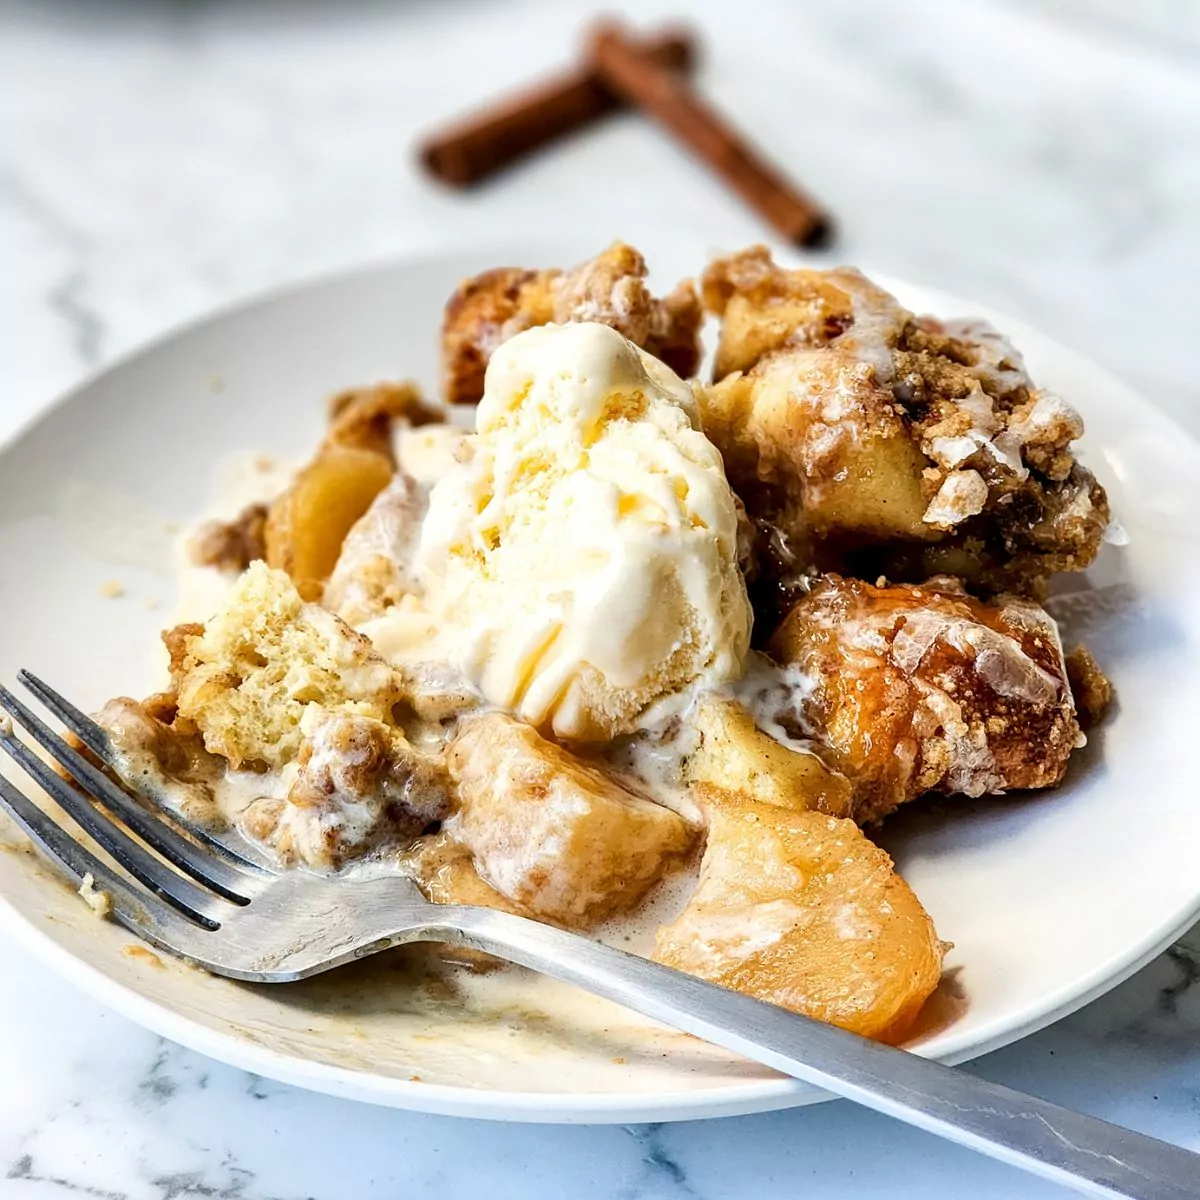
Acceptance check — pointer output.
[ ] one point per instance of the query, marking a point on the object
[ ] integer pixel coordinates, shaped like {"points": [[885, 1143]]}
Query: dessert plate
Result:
{"points": [[1049, 900]]}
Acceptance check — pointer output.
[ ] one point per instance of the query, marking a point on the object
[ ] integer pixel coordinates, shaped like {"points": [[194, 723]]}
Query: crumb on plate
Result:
{"points": [[98, 900], [135, 950]]}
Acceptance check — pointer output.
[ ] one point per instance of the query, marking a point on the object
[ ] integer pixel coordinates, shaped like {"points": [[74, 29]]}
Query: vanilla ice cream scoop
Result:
{"points": [[583, 561]]}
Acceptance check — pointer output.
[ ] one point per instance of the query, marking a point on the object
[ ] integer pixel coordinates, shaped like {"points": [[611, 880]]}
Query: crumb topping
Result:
{"points": [[917, 689], [871, 439]]}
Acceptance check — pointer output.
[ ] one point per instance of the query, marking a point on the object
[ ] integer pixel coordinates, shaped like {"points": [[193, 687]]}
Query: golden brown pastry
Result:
{"points": [[862, 438], [363, 418], [485, 311], [919, 689], [610, 288]]}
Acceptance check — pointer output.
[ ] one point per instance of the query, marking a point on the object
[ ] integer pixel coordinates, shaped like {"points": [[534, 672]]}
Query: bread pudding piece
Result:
{"points": [[863, 438], [800, 909], [364, 418], [230, 545], [609, 288], [550, 834], [374, 567], [358, 782], [734, 755], [919, 689], [483, 312], [247, 676], [1090, 687], [306, 525], [162, 757]]}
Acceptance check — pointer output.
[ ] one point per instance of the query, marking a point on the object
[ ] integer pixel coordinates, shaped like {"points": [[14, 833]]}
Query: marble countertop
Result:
{"points": [[164, 158]]}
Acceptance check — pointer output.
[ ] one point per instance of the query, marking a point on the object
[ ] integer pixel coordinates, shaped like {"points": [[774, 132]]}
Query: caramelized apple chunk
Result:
{"points": [[445, 872], [551, 834], [764, 307], [306, 526], [917, 689], [800, 909], [815, 460], [734, 755]]}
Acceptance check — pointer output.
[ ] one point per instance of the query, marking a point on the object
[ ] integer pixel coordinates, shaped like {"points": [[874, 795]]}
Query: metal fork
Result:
{"points": [[221, 904]]}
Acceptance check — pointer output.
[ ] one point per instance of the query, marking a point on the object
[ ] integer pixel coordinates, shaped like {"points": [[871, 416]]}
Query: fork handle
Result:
{"points": [[1080, 1152]]}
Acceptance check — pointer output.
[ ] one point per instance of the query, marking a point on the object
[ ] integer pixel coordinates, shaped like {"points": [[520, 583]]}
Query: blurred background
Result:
{"points": [[161, 158]]}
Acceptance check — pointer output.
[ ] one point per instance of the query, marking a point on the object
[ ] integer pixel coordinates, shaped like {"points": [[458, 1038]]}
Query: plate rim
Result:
{"points": [[761, 1095], [527, 1107]]}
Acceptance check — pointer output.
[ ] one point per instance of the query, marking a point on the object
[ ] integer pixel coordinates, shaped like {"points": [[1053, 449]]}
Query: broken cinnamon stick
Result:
{"points": [[631, 73], [482, 143]]}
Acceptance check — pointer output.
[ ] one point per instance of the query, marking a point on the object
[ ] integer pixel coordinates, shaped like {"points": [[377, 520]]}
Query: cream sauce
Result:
{"points": [[650, 764]]}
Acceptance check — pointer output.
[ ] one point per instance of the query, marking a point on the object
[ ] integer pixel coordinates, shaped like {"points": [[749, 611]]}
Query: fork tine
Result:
{"points": [[97, 741], [217, 874], [79, 723], [141, 913], [192, 901]]}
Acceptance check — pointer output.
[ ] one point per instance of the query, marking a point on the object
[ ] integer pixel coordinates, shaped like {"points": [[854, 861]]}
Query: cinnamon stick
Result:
{"points": [[483, 142], [631, 73]]}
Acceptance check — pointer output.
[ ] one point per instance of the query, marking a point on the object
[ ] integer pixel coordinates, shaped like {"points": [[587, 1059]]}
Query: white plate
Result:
{"points": [[1049, 900]]}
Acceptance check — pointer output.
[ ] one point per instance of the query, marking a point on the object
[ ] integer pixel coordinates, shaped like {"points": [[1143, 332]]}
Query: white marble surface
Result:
{"points": [[159, 159]]}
